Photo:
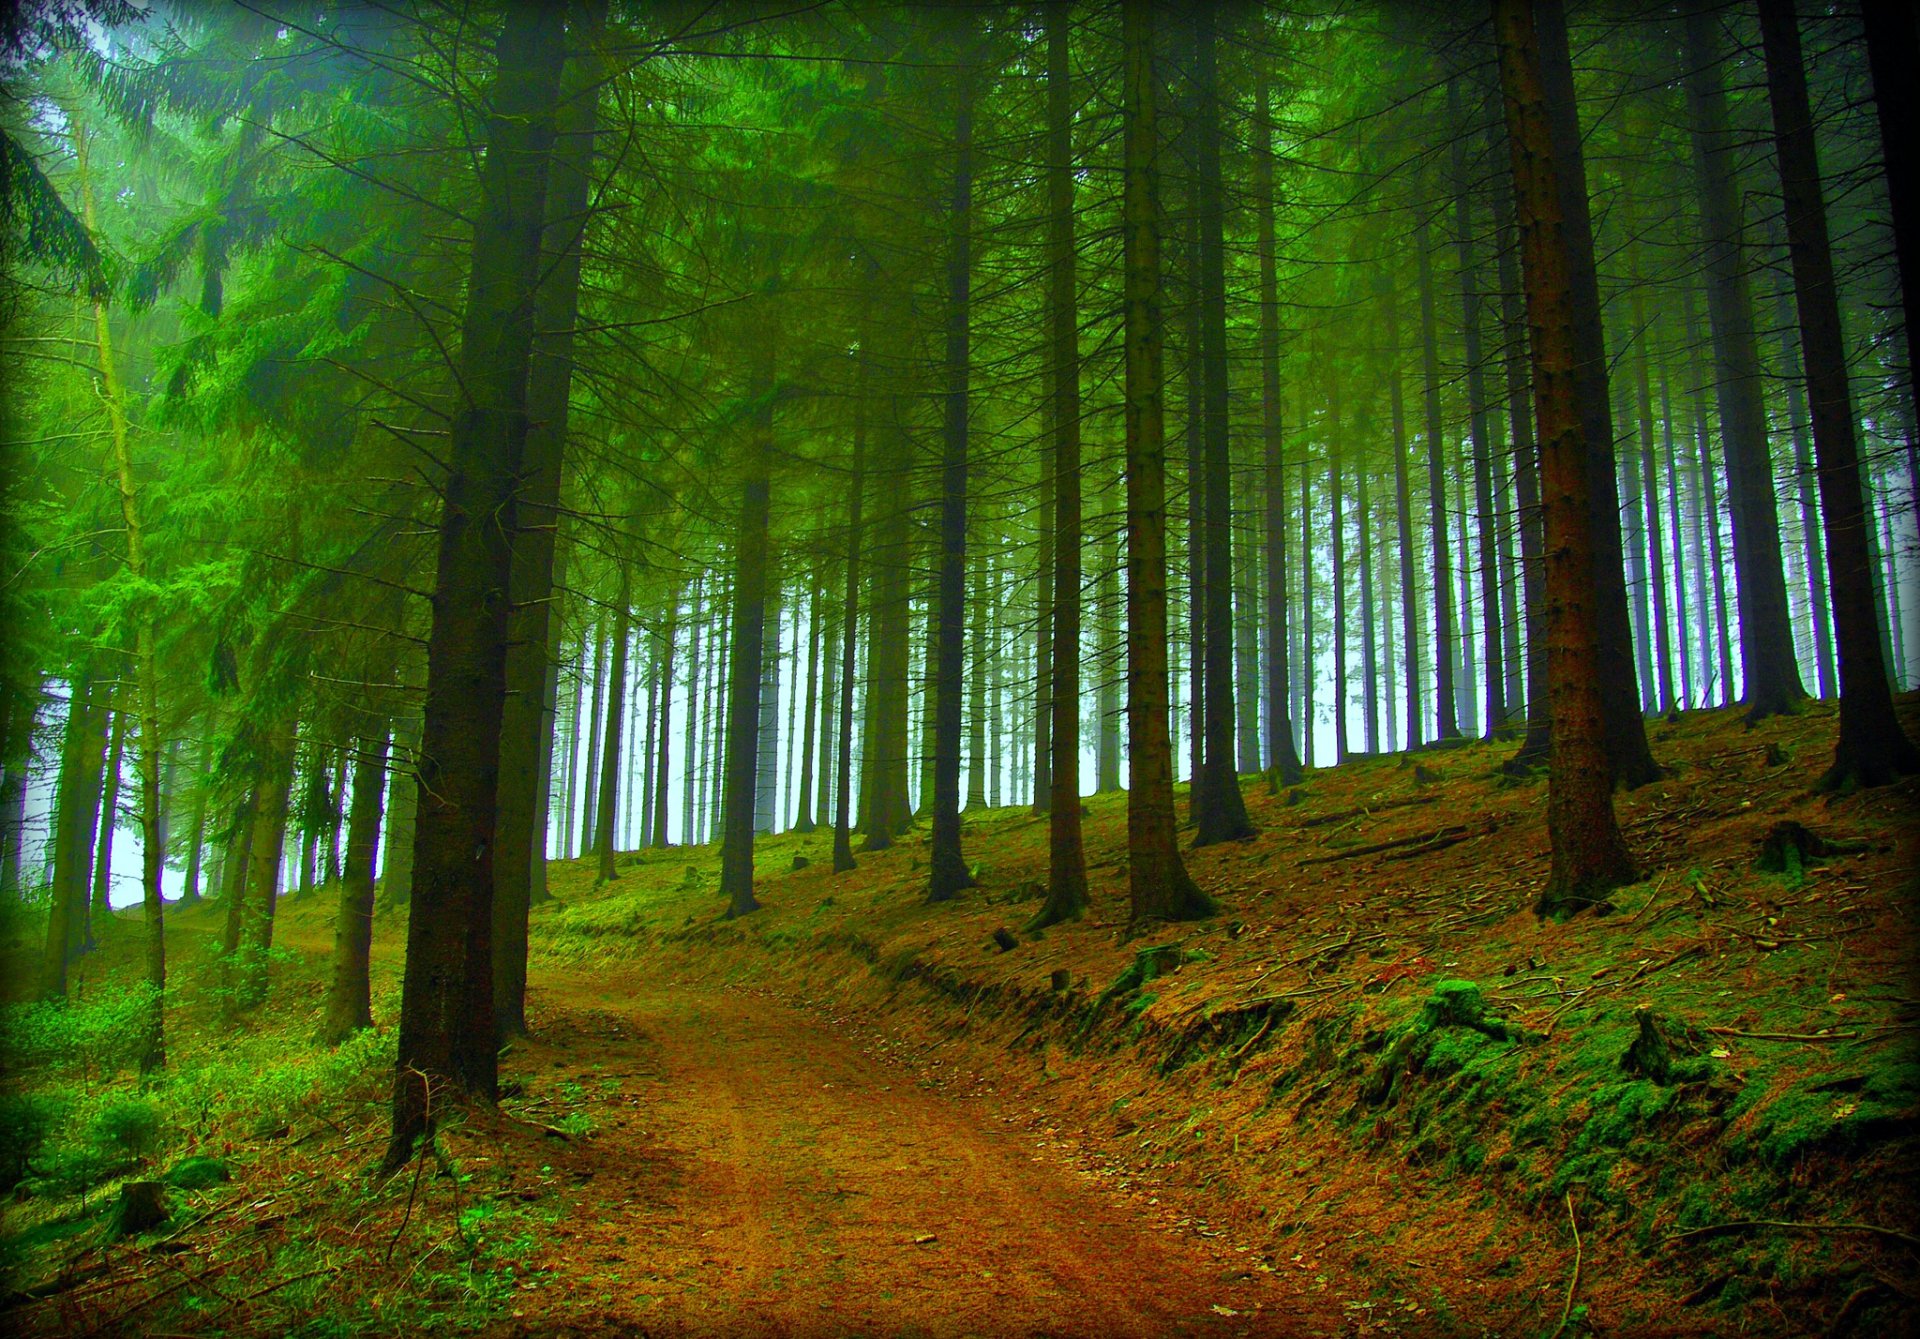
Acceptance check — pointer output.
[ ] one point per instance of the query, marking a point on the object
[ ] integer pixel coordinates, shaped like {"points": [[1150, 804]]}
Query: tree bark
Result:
{"points": [[1403, 516], [1872, 749], [1221, 814], [447, 1036], [349, 995], [265, 851], [1447, 725], [77, 805], [1159, 886], [1066, 858], [747, 655], [1589, 857], [605, 829], [850, 619], [109, 819], [1650, 494], [1772, 679], [1893, 56], [1526, 481], [1626, 733], [1282, 755], [663, 725]]}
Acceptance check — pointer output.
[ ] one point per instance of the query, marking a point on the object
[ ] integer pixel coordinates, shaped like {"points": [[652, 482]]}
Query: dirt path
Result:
{"points": [[760, 1170]]}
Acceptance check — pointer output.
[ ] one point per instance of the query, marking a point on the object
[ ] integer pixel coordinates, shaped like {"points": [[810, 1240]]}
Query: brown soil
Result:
{"points": [[767, 1171]]}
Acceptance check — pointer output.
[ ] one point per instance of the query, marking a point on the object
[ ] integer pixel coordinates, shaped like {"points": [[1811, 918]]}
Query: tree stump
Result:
{"points": [[142, 1206]]}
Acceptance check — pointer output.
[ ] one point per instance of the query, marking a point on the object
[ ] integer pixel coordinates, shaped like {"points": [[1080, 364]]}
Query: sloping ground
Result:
{"points": [[1374, 1096], [1379, 1070]]}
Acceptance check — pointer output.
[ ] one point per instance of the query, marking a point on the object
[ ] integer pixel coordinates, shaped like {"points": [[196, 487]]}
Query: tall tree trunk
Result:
{"points": [[1369, 660], [1447, 724], [850, 620], [1626, 732], [349, 995], [528, 716], [948, 872], [1872, 749], [266, 848], [1403, 516], [1893, 55], [1106, 750], [1159, 886], [1650, 493], [696, 620], [403, 809], [1337, 533], [747, 653], [1221, 811], [1772, 679], [977, 692], [1589, 857], [1308, 662], [803, 806], [606, 835], [447, 1035], [1708, 511], [1066, 857], [1526, 480], [663, 725], [16, 757], [766, 781], [1812, 546], [109, 820], [596, 707], [1282, 755], [828, 733], [1680, 618], [1495, 716], [190, 892], [77, 803]]}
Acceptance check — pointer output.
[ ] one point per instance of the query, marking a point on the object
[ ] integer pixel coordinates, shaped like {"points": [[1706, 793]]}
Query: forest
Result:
{"points": [[959, 667]]}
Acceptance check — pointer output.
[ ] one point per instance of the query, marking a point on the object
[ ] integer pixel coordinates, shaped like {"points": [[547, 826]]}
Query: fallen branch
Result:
{"points": [[1742, 1224], [1435, 840], [1783, 1036], [1573, 1284], [1365, 811]]}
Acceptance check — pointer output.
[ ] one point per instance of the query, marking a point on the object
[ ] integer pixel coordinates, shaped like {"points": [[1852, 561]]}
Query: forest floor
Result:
{"points": [[1374, 1096]]}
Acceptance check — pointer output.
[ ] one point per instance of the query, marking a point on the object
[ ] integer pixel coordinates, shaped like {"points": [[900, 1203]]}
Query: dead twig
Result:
{"points": [[1783, 1036], [1742, 1224], [1573, 1284]]}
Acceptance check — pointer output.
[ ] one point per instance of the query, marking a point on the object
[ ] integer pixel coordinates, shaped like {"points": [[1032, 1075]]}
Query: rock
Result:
{"points": [[801, 862], [1663, 1048], [197, 1173], [1005, 940]]}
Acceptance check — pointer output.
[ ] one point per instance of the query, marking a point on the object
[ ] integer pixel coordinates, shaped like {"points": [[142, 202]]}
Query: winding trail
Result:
{"points": [[759, 1170]]}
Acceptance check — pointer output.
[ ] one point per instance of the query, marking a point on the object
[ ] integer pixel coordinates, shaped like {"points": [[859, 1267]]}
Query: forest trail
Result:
{"points": [[756, 1169]]}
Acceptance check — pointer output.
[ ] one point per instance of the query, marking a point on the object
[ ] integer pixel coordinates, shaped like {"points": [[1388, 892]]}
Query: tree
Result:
{"points": [[1589, 856], [447, 1037], [1159, 886], [349, 994], [1872, 749]]}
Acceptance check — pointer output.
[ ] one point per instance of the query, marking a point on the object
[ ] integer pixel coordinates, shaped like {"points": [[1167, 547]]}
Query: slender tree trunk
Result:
{"points": [[1494, 718], [1106, 752], [696, 620], [948, 872], [77, 803], [827, 657], [1447, 726], [1282, 755], [1626, 733], [977, 693], [109, 820], [1159, 886], [1680, 618], [1066, 857], [1589, 856], [1403, 515], [1710, 506], [265, 851], [747, 653], [349, 996], [403, 808], [22, 708], [803, 807], [1893, 56], [1308, 661], [596, 707], [190, 892], [1812, 545], [1772, 679], [850, 620], [1656, 548], [447, 1035], [1337, 533], [1872, 749], [662, 725], [1369, 661], [1526, 481], [606, 835], [1221, 813]]}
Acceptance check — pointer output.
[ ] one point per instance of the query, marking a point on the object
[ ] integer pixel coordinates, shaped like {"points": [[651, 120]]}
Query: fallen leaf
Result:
{"points": [[1219, 1310]]}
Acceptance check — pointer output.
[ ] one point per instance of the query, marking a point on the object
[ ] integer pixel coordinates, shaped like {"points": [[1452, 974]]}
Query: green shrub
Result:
{"points": [[26, 1121]]}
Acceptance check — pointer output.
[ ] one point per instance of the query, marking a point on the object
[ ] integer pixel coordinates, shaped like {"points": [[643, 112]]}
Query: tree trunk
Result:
{"points": [[1626, 733], [1337, 534], [1772, 679], [1893, 55], [77, 807], [1707, 512], [606, 835], [1680, 618], [747, 653], [1494, 718], [1066, 857], [1369, 660], [447, 1034], [850, 620], [1526, 481], [1221, 814], [1589, 857], [403, 809], [1106, 751], [109, 819], [978, 661], [1282, 755], [1872, 749], [1159, 886], [803, 806], [1403, 516], [190, 892], [1812, 546], [265, 851], [1447, 722], [22, 708], [696, 620], [1656, 548], [349, 997], [948, 872], [662, 725], [596, 706]]}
